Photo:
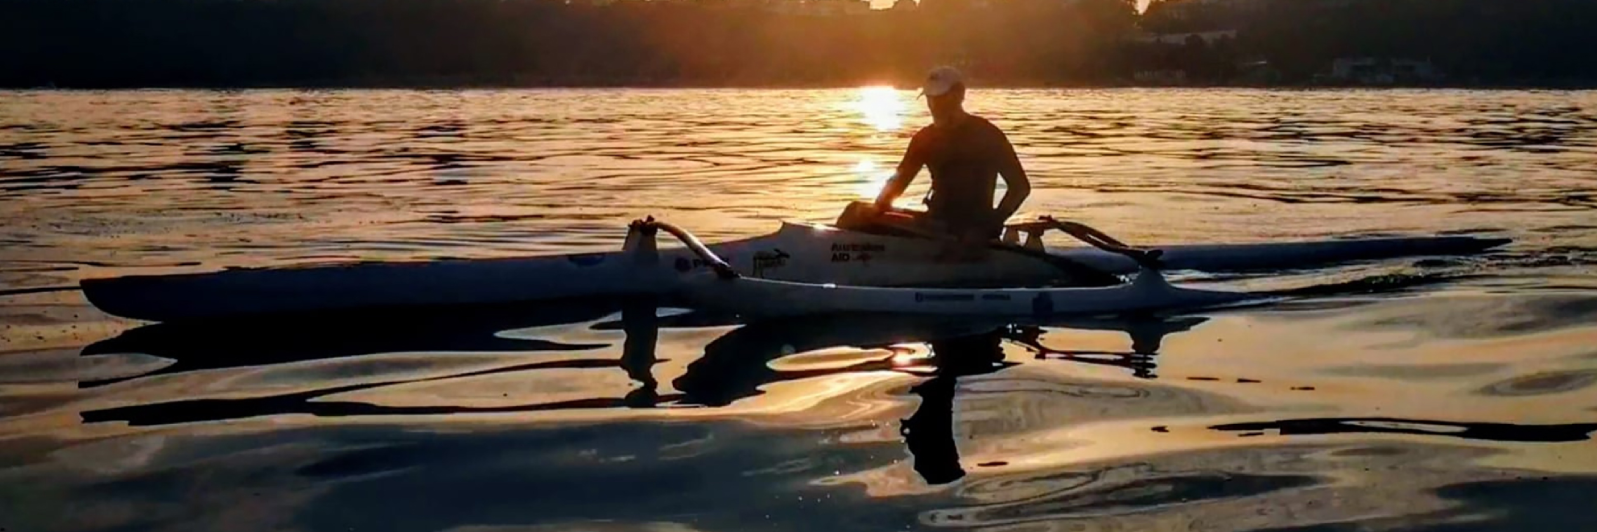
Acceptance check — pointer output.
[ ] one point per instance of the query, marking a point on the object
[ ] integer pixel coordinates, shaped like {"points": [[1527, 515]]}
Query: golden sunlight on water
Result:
{"points": [[1412, 394], [870, 178], [882, 107]]}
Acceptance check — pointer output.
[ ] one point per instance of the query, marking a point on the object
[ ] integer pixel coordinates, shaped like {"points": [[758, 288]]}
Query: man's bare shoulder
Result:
{"points": [[988, 132], [986, 126]]}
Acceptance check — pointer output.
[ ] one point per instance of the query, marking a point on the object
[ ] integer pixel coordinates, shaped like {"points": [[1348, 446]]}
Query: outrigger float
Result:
{"points": [[883, 265]]}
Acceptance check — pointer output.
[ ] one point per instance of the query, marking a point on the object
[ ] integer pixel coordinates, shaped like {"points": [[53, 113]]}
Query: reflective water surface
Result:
{"points": [[1437, 394]]}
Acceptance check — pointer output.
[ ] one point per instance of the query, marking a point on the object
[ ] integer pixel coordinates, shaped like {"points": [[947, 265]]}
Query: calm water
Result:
{"points": [[1423, 394]]}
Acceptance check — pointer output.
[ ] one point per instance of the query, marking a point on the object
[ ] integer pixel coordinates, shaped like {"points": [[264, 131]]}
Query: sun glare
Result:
{"points": [[881, 107], [870, 179]]}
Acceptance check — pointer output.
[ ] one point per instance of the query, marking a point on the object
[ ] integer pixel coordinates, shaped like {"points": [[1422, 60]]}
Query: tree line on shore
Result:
{"points": [[361, 43]]}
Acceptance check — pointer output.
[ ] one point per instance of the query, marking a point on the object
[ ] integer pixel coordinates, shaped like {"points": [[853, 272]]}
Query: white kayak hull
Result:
{"points": [[801, 253], [762, 298], [796, 252]]}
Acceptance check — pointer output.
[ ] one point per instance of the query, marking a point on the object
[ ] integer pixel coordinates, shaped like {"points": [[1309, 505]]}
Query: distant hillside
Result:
{"points": [[247, 43]]}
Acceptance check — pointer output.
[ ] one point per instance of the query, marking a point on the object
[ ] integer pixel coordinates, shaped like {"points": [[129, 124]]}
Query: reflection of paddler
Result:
{"points": [[1147, 335], [929, 432]]}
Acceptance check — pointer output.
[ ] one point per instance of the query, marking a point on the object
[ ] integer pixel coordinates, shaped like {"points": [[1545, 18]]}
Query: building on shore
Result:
{"points": [[1381, 71], [818, 8]]}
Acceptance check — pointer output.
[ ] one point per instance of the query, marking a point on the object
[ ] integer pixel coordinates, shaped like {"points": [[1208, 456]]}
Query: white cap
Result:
{"points": [[940, 80]]}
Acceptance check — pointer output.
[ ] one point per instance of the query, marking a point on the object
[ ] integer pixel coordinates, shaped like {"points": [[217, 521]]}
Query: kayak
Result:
{"points": [[796, 252]]}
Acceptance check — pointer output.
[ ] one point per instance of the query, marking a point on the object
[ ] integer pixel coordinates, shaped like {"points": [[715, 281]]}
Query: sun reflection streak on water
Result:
{"points": [[881, 108], [1061, 438], [870, 179]]}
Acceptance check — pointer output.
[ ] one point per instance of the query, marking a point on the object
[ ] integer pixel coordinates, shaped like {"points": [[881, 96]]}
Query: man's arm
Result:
{"points": [[1017, 185], [908, 167]]}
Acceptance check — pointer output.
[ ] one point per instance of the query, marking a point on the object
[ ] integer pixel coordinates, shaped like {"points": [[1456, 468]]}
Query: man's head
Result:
{"points": [[944, 89]]}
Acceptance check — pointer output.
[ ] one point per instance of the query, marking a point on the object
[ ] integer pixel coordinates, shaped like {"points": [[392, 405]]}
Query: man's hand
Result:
{"points": [[873, 210], [883, 204]]}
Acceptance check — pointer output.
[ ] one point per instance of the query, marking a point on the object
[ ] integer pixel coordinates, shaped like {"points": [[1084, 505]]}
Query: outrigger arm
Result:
{"points": [[1147, 258], [641, 242]]}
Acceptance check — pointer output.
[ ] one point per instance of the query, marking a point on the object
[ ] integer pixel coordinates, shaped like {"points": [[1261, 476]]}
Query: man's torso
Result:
{"points": [[963, 161]]}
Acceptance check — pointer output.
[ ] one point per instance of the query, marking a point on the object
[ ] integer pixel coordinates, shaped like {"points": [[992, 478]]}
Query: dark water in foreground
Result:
{"points": [[1451, 394]]}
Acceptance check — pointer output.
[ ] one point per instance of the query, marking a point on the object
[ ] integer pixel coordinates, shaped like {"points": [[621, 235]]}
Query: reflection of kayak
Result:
{"points": [[796, 252]]}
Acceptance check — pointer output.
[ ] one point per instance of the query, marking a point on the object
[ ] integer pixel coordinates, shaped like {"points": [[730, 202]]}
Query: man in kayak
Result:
{"points": [[965, 154]]}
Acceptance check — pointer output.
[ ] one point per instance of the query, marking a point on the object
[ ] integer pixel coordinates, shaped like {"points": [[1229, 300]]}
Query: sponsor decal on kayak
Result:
{"points": [[769, 260], [856, 251], [922, 297], [857, 247], [684, 264], [587, 259]]}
